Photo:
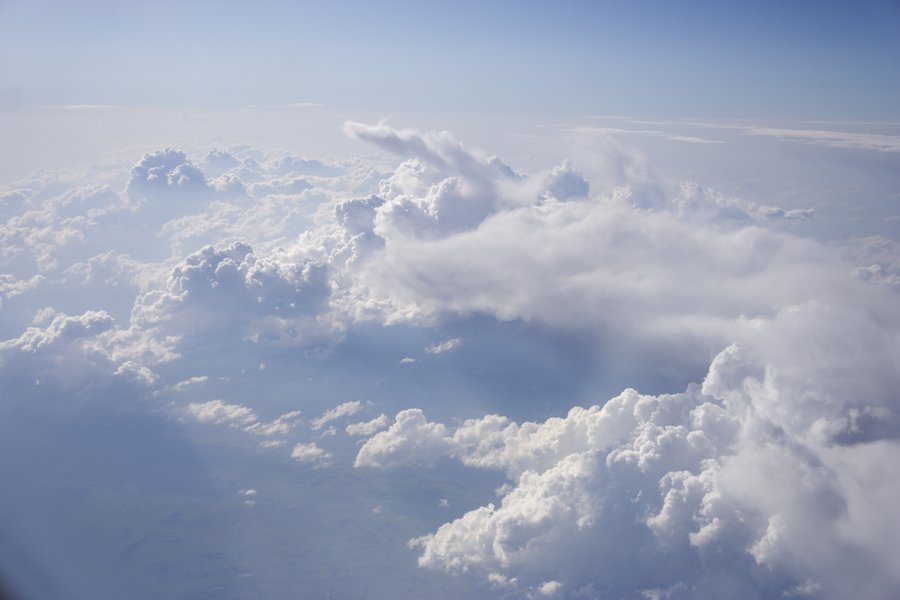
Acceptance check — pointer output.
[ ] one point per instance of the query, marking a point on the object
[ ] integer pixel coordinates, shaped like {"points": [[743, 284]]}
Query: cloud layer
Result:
{"points": [[753, 455]]}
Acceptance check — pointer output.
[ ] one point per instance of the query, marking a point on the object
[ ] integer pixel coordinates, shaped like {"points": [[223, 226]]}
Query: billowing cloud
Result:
{"points": [[166, 174], [293, 283], [706, 482], [229, 291]]}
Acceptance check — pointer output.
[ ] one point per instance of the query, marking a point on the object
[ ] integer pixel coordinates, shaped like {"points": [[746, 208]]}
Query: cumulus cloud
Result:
{"points": [[164, 175], [230, 291], [410, 439], [216, 411], [311, 454], [61, 330], [441, 187], [702, 481], [768, 476]]}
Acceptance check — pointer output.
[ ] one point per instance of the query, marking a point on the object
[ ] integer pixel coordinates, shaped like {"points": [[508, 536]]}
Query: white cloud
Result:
{"points": [[310, 453], [272, 443], [550, 588], [190, 382], [229, 291], [445, 346], [236, 415], [216, 411], [681, 478], [165, 175], [62, 329], [368, 428], [10, 287], [342, 410], [279, 426], [772, 477], [410, 439]]}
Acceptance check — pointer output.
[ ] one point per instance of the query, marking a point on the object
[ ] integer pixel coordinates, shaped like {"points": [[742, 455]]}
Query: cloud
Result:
{"points": [[245, 418], [764, 471], [279, 426], [342, 410], [62, 329], [566, 183], [230, 292], [216, 411], [445, 346], [614, 131], [368, 428], [10, 287], [837, 139], [166, 174], [411, 439], [694, 481], [311, 454], [442, 187]]}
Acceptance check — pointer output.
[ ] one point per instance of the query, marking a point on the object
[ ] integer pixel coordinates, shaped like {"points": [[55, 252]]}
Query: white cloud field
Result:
{"points": [[577, 371]]}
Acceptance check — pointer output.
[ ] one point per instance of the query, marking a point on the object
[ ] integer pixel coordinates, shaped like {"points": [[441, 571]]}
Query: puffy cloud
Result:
{"points": [[166, 174], [773, 477], [410, 439], [218, 161], [229, 291], [566, 183], [62, 329], [706, 481], [287, 185], [68, 359], [441, 188], [216, 411], [311, 454]]}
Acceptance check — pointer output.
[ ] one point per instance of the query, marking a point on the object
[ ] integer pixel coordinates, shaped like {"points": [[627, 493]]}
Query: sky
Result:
{"points": [[801, 59], [523, 300]]}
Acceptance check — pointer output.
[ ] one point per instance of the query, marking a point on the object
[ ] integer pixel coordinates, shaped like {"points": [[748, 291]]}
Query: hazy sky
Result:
{"points": [[801, 59]]}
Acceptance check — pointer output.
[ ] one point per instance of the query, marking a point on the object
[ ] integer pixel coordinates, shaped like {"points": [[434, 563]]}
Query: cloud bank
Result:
{"points": [[231, 293]]}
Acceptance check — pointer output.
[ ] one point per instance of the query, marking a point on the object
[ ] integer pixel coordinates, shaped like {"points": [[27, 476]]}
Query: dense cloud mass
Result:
{"points": [[227, 295]]}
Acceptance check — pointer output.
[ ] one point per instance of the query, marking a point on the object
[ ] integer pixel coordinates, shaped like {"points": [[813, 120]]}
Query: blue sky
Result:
{"points": [[834, 60]]}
